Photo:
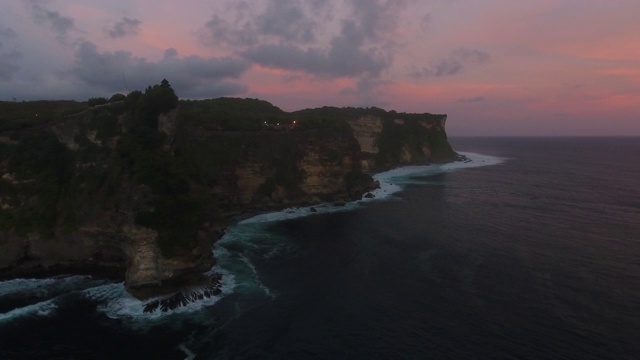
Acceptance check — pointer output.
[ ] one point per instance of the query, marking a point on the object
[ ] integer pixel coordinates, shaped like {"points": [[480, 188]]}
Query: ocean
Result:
{"points": [[528, 250]]}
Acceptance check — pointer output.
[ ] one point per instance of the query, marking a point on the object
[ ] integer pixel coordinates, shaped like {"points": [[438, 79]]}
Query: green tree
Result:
{"points": [[132, 100], [117, 97], [94, 101], [156, 100]]}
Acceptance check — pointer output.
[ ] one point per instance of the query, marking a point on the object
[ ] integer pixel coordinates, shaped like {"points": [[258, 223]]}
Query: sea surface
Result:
{"points": [[529, 250]]}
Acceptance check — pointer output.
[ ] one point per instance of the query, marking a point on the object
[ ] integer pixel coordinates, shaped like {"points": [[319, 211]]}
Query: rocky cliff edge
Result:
{"points": [[142, 188]]}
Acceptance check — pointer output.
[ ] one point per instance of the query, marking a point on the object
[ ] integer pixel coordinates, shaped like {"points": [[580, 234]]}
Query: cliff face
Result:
{"points": [[366, 130], [142, 190], [69, 206], [94, 192], [273, 169], [388, 138], [399, 139]]}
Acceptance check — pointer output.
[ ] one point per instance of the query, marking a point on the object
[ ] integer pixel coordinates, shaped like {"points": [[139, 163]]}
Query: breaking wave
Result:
{"points": [[44, 308], [391, 182], [38, 297], [116, 303]]}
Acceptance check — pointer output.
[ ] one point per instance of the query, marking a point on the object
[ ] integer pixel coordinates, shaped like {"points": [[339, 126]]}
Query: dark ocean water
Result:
{"points": [[531, 251]]}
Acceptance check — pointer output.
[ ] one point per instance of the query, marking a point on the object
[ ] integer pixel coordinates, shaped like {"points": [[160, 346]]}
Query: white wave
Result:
{"points": [[190, 354], [20, 286], [245, 241], [255, 278], [298, 212], [117, 303], [43, 288], [46, 291], [237, 265], [391, 182], [105, 292], [474, 160], [252, 237], [44, 308]]}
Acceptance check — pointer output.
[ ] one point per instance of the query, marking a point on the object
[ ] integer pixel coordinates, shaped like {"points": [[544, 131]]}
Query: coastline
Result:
{"points": [[266, 214], [237, 271]]}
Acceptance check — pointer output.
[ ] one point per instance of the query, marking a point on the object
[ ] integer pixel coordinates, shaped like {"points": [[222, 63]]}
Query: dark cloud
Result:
{"points": [[222, 32], [454, 63], [445, 67], [318, 4], [286, 20], [9, 64], [9, 60], [59, 23], [283, 21], [425, 22], [473, 99], [343, 58], [285, 36], [368, 91], [6, 33], [470, 56], [192, 76], [125, 27], [377, 19], [170, 53]]}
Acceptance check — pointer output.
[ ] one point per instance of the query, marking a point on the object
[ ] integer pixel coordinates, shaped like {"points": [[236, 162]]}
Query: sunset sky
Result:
{"points": [[496, 67]]}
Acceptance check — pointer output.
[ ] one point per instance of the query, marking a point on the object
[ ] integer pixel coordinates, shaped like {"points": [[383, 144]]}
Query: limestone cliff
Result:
{"points": [[366, 130], [393, 139], [389, 138], [143, 187]]}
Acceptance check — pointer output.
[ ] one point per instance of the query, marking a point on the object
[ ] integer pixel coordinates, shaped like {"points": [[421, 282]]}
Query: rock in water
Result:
{"points": [[209, 287]]}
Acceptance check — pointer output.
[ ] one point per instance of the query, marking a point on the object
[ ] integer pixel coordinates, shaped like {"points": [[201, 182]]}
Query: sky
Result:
{"points": [[495, 67]]}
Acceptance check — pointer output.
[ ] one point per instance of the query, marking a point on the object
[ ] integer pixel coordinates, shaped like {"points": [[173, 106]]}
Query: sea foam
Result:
{"points": [[391, 182], [115, 302], [38, 297], [44, 308]]}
